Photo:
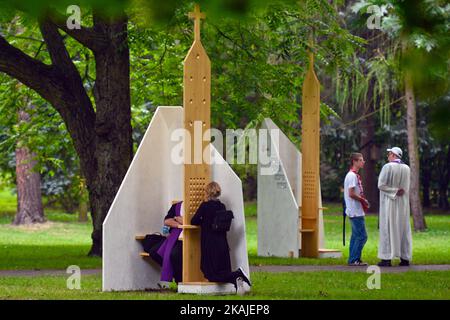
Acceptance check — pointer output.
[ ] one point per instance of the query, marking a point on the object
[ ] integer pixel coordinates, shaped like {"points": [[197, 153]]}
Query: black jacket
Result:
{"points": [[215, 255]]}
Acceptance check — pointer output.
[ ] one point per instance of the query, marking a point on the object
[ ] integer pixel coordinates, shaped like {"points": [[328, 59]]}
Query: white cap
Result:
{"points": [[396, 150]]}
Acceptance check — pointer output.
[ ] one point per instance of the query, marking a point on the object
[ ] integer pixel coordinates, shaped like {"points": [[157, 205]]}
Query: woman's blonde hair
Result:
{"points": [[212, 191]]}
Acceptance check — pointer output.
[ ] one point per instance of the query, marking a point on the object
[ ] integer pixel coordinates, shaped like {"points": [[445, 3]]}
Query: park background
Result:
{"points": [[380, 87]]}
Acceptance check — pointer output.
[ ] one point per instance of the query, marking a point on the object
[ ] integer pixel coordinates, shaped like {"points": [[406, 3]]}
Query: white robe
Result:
{"points": [[395, 228]]}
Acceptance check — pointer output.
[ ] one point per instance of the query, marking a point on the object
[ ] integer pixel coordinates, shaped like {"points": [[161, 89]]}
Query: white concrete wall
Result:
{"points": [[279, 198], [291, 159], [143, 199], [277, 206]]}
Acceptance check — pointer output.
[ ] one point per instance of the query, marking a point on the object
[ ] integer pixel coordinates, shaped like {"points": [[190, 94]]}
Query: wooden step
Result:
{"points": [[306, 230], [139, 237], [320, 208], [144, 254], [328, 250], [330, 253]]}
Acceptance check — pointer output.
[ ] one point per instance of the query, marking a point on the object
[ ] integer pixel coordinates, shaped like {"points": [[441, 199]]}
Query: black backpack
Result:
{"points": [[222, 220]]}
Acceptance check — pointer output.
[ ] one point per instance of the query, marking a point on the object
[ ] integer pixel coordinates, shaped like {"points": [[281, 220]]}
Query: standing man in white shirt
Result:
{"points": [[356, 204]]}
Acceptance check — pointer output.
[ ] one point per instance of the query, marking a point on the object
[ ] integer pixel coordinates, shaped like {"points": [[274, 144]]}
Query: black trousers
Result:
{"points": [[226, 276], [176, 258]]}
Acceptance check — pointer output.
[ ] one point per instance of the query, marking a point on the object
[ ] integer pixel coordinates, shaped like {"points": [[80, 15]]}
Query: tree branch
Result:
{"points": [[234, 41], [86, 36], [61, 87], [72, 82], [56, 47], [33, 73]]}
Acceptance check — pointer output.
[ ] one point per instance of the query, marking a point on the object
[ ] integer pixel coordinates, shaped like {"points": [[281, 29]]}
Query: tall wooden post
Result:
{"points": [[197, 172], [310, 163]]}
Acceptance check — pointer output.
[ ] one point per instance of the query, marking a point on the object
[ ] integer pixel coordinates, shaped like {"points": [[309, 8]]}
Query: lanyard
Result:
{"points": [[359, 181]]}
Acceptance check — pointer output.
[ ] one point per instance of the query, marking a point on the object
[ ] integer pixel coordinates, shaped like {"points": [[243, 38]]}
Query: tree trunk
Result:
{"points": [[251, 187], [370, 153], [426, 178], [369, 149], [416, 207], [444, 180], [29, 201], [443, 197], [113, 130], [101, 135], [83, 211]]}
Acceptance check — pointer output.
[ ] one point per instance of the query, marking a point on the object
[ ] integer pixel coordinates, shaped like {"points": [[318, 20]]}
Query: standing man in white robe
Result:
{"points": [[395, 228]]}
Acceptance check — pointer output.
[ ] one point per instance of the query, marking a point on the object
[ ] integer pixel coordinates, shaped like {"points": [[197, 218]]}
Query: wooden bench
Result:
{"points": [[140, 237]]}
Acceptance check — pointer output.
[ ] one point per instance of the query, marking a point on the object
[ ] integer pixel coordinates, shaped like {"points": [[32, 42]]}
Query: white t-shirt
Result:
{"points": [[353, 207]]}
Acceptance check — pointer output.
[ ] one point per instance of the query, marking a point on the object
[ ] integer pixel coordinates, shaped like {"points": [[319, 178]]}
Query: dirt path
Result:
{"points": [[272, 268]]}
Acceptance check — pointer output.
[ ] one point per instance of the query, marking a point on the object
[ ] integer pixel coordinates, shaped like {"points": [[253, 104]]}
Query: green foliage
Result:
{"points": [[45, 133], [373, 87], [258, 51], [352, 84], [440, 113], [64, 241], [258, 64], [420, 33]]}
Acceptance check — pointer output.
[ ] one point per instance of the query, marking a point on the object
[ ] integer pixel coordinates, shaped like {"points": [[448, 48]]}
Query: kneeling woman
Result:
{"points": [[215, 256]]}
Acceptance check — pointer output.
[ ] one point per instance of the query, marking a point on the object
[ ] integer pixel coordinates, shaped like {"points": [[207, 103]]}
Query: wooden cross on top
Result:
{"points": [[196, 16], [311, 60], [311, 53]]}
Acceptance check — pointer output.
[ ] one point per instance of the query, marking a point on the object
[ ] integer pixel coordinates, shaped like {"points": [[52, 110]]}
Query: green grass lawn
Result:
{"points": [[54, 245], [429, 247], [64, 241], [284, 286], [8, 202], [61, 242]]}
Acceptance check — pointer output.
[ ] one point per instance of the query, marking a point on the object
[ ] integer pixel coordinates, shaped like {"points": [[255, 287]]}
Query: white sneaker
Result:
{"points": [[240, 290], [163, 284]]}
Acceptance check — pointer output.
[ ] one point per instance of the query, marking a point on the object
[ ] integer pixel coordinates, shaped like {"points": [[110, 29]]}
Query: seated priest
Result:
{"points": [[168, 251]]}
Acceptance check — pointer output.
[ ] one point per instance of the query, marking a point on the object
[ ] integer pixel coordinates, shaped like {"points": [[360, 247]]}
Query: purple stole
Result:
{"points": [[166, 248]]}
